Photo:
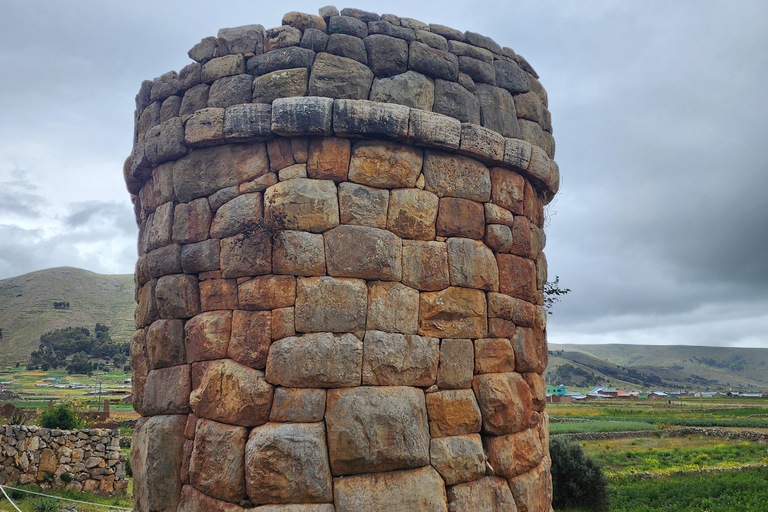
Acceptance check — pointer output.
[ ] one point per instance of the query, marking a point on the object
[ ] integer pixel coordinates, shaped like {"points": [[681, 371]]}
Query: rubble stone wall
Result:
{"points": [[340, 272], [80, 460]]}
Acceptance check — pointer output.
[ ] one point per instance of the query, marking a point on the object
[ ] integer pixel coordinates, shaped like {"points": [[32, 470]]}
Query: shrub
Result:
{"points": [[45, 505], [62, 416], [577, 480]]}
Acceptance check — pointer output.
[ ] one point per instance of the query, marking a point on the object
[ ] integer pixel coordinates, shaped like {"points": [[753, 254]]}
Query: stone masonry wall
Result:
{"points": [[340, 272], [80, 460]]}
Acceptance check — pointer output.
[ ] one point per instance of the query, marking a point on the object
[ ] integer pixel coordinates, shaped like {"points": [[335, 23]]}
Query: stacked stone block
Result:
{"points": [[340, 272]]}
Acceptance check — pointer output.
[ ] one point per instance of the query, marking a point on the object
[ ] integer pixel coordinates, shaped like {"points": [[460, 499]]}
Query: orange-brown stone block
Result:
{"points": [[453, 413], [453, 313]]}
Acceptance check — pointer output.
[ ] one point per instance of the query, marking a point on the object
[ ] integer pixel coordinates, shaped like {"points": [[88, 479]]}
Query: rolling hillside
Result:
{"points": [[26, 306], [671, 367]]}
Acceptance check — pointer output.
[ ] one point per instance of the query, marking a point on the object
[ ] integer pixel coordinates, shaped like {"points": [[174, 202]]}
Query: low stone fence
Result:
{"points": [[712, 432], [81, 460]]}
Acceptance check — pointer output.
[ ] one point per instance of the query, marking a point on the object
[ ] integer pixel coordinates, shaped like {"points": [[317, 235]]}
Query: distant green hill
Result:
{"points": [[27, 307], [656, 366]]}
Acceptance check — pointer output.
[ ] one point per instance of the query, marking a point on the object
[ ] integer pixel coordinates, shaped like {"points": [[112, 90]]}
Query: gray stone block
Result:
{"points": [[410, 89], [481, 143], [433, 62], [205, 50], [368, 118], [347, 46], [433, 40], [314, 40], [230, 90], [250, 121], [304, 22], [391, 18], [164, 86], [281, 37], [189, 76], [447, 32], [280, 84], [302, 116], [170, 108], [387, 55], [413, 24], [347, 25], [338, 77], [194, 99], [454, 100], [511, 77], [388, 29], [466, 82], [434, 130], [149, 118], [244, 39], [478, 70], [525, 65], [497, 110], [327, 11], [482, 41], [284, 58], [364, 16], [143, 96], [458, 48], [165, 142], [200, 257], [517, 154], [219, 67]]}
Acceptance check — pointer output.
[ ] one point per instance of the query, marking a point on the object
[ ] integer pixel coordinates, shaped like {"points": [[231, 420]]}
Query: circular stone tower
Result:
{"points": [[340, 272]]}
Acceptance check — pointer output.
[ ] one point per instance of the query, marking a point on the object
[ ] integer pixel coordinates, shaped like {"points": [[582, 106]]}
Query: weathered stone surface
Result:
{"points": [[363, 206], [478, 70], [461, 48], [298, 253], [490, 494], [456, 176], [191, 221], [207, 170], [391, 359], [511, 77], [317, 360], [165, 343], [139, 368], [217, 464], [538, 387], [456, 364], [146, 307], [339, 77], [364, 16], [545, 171], [517, 154], [387, 55], [392, 307], [222, 66], [165, 142], [304, 204], [458, 459], [507, 190], [500, 328], [194, 99], [293, 171], [285, 58], [246, 254], [304, 21], [163, 261], [164, 86], [251, 337], [190, 76], [520, 312], [283, 324], [330, 304], [498, 237], [193, 500], [302, 116], [533, 490], [419, 489], [453, 313], [347, 46], [347, 25], [451, 99], [361, 118], [392, 29], [297, 405], [167, 391], [328, 158], [434, 130], [494, 355], [314, 40], [288, 463], [281, 37], [530, 354], [412, 213], [425, 265], [517, 277], [234, 394], [481, 143], [230, 90], [505, 401], [244, 39], [170, 108], [497, 110], [460, 217], [472, 264], [375, 429], [207, 335], [149, 118], [177, 296], [280, 84], [410, 89], [514, 454], [280, 152], [364, 252], [156, 455], [385, 164], [453, 413], [159, 228], [267, 292], [251, 121], [433, 62], [205, 50], [523, 243]]}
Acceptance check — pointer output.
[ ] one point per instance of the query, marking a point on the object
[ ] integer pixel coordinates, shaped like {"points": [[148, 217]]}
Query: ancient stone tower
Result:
{"points": [[340, 272]]}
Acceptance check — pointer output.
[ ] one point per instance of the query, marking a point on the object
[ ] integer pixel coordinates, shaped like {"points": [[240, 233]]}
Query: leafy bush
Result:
{"points": [[578, 480], [45, 505], [62, 416]]}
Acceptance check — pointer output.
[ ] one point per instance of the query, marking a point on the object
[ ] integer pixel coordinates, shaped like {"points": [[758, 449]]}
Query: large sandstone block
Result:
{"points": [[303, 204], [453, 413], [156, 456], [514, 454], [218, 294], [533, 490], [165, 343], [481, 143], [505, 401], [234, 394], [410, 89], [267, 292], [139, 368], [330, 304], [387, 55], [302, 116], [434, 130], [494, 355], [318, 360], [280, 84], [165, 142], [517, 277], [217, 463], [298, 405], [458, 459], [472, 264], [288, 463], [375, 429], [391, 359], [246, 254], [362, 118], [460, 217], [531, 354], [456, 364], [363, 206], [243, 39], [425, 265], [454, 100], [193, 500], [507, 189], [384, 164], [339, 77], [205, 128], [392, 307], [497, 110], [456, 176], [230, 90], [538, 387], [453, 313], [251, 337], [518, 311], [191, 221], [250, 121], [328, 158], [237, 215], [364, 252], [167, 391], [412, 213], [433, 62], [222, 66], [418, 489], [347, 46], [298, 253], [283, 58], [207, 335], [490, 494]]}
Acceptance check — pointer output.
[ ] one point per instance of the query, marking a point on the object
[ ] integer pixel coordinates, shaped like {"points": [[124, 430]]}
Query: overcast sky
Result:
{"points": [[659, 108]]}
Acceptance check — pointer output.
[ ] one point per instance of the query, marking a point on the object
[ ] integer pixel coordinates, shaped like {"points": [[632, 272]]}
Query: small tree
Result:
{"points": [[577, 479], [552, 293], [61, 416]]}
